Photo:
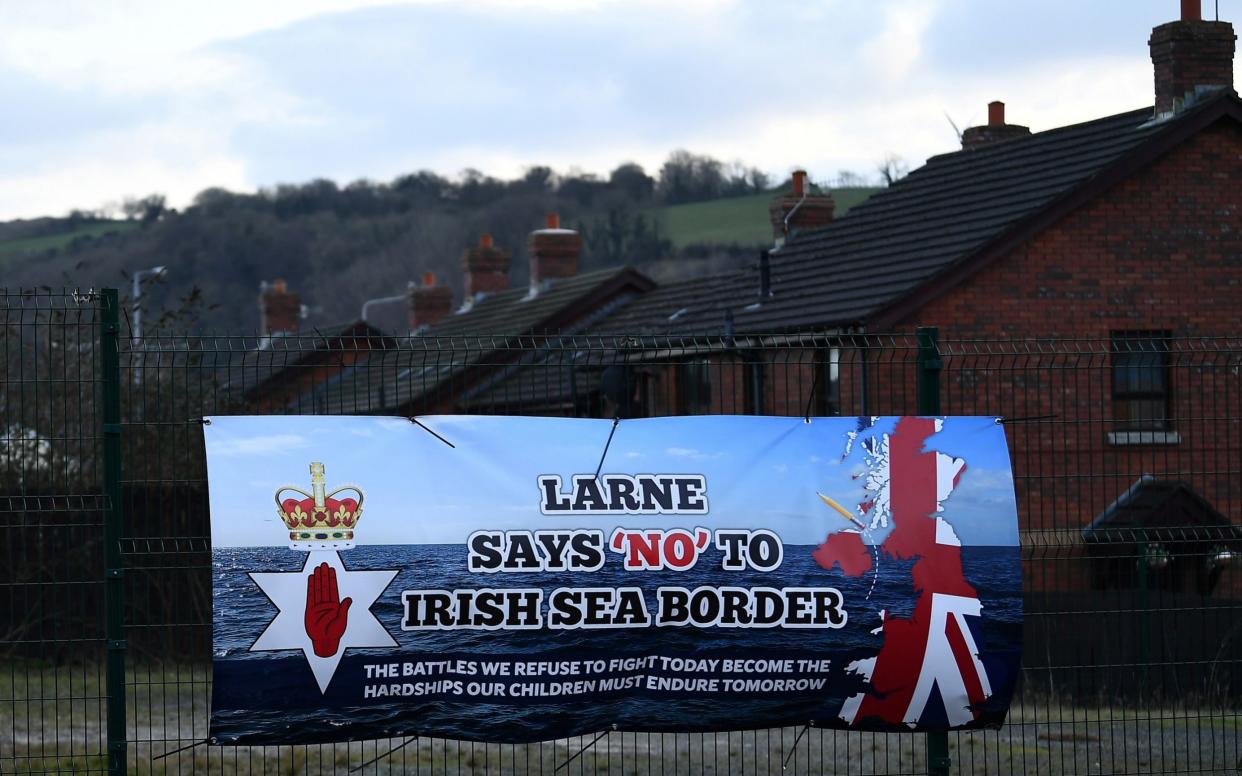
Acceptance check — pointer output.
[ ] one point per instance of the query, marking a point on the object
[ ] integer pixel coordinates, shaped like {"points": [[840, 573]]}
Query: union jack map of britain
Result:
{"points": [[519, 579]]}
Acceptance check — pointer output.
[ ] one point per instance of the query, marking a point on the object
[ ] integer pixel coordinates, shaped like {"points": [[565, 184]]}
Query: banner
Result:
{"points": [[519, 579]]}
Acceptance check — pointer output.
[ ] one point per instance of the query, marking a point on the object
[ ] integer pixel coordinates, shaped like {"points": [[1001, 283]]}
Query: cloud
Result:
{"points": [[257, 445], [691, 453], [894, 51], [172, 97]]}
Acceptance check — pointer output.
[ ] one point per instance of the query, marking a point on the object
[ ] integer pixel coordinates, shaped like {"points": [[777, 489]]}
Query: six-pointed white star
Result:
{"points": [[287, 590]]}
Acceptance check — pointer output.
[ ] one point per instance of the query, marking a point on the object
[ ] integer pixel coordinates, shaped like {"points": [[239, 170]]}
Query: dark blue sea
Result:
{"points": [[269, 697]]}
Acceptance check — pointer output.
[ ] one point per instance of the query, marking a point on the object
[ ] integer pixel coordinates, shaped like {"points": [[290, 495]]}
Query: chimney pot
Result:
{"points": [[429, 304], [1190, 56], [280, 311], [994, 131], [799, 210], [553, 252], [487, 268]]}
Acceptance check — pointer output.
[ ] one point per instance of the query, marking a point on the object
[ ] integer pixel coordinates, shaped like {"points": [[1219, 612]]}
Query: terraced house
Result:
{"points": [[1121, 235]]}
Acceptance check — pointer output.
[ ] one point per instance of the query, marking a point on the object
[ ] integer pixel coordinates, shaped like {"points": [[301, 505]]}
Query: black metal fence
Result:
{"points": [[1127, 453]]}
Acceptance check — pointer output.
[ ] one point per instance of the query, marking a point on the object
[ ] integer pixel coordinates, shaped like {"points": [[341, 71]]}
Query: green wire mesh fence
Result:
{"points": [[1127, 455]]}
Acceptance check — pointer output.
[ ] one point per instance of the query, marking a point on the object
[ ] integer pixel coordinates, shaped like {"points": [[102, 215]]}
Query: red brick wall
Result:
{"points": [[302, 377], [1162, 250]]}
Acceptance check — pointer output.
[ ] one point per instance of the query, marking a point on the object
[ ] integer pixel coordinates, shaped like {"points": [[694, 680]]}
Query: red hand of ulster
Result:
{"points": [[326, 614]]}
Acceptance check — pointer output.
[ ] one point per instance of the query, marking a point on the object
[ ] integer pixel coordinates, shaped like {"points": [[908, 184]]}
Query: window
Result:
{"points": [[694, 387], [1140, 367]]}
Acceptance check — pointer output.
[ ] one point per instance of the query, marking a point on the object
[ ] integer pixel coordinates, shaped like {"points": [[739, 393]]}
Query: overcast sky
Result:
{"points": [[127, 98]]}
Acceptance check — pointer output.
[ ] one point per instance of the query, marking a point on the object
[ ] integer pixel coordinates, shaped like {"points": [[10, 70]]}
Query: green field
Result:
{"points": [[27, 246], [740, 220]]}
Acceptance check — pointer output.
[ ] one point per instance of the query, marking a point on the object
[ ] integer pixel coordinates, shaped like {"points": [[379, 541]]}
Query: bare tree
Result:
{"points": [[892, 168]]}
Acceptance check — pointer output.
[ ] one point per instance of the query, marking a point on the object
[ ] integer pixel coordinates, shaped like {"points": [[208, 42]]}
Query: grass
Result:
{"points": [[28, 246], [740, 220]]}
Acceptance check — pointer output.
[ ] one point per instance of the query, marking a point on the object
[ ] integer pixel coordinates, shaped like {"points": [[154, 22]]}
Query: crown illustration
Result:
{"points": [[319, 520]]}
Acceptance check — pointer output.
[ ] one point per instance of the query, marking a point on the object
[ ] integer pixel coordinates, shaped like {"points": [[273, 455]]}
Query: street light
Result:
{"points": [[136, 325], [136, 329]]}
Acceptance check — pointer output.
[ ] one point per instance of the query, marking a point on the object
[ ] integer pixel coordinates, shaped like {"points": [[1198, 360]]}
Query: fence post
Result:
{"points": [[929, 366], [114, 582]]}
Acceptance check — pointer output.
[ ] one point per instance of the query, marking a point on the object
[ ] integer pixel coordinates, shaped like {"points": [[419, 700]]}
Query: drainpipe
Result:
{"points": [[800, 187]]}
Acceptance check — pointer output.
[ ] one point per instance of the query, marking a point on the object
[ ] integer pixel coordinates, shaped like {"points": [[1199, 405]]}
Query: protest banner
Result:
{"points": [[521, 579]]}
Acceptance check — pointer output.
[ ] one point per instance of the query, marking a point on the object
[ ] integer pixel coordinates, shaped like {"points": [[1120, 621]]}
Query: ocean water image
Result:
{"points": [[272, 696]]}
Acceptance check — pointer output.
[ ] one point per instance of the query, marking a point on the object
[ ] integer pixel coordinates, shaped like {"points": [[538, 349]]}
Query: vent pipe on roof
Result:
{"points": [[765, 274]]}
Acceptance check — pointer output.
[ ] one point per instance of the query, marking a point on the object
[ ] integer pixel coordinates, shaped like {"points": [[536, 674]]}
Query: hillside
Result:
{"points": [[338, 247], [735, 221], [31, 238]]}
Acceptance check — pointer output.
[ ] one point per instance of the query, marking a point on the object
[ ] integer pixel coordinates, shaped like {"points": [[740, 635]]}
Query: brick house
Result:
{"points": [[1124, 232], [276, 371], [481, 355]]}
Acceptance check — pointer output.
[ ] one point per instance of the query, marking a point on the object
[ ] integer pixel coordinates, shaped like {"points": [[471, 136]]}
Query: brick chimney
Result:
{"points": [[1190, 57], [429, 303], [800, 209], [280, 310], [487, 268], [553, 252], [995, 130]]}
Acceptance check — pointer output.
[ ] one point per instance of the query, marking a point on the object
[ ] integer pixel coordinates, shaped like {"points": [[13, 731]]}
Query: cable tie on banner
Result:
{"points": [[598, 469], [810, 724], [806, 416], [379, 757], [419, 423], [1002, 420], [203, 421], [579, 753], [181, 749]]}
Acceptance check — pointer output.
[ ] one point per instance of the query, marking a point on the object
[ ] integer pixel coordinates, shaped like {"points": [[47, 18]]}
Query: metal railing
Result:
{"points": [[1129, 526]]}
